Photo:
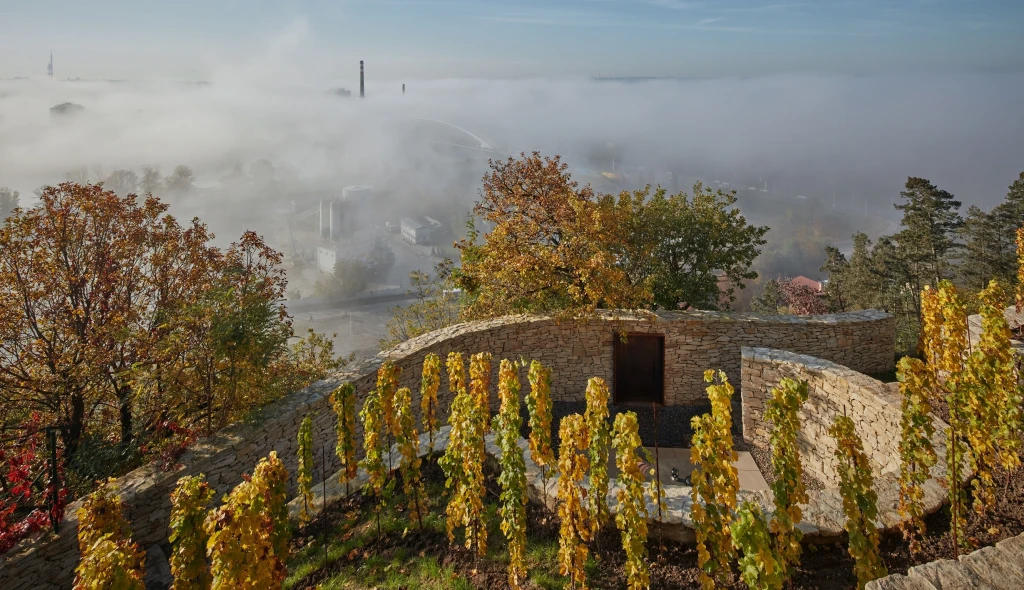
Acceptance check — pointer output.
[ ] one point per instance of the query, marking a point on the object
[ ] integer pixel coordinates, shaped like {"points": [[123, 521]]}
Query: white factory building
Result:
{"points": [[419, 231]]}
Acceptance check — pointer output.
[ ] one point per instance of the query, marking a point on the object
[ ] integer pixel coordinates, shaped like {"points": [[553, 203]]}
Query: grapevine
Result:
{"points": [[407, 440], [387, 385], [480, 386], [249, 534], [917, 455], [761, 567], [306, 467], [631, 515], [109, 557], [430, 383], [715, 483], [574, 532], [1020, 269], [189, 504], [513, 472], [344, 402], [373, 453], [596, 417], [788, 488], [951, 364], [994, 372], [463, 462], [538, 403], [860, 502]]}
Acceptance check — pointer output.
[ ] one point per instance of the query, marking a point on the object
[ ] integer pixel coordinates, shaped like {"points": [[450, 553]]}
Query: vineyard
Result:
{"points": [[466, 496]]}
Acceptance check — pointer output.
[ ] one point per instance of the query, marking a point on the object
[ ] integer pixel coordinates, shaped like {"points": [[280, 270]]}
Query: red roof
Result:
{"points": [[806, 282]]}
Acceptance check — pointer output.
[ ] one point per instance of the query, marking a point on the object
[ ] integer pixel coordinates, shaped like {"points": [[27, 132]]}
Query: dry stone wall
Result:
{"points": [[835, 390], [576, 351], [694, 342]]}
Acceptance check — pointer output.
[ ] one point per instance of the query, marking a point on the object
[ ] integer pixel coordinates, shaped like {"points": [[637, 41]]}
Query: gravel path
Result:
{"points": [[673, 430]]}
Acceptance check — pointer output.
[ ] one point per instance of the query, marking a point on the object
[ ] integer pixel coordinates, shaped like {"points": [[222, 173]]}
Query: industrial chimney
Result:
{"points": [[362, 83], [403, 88]]}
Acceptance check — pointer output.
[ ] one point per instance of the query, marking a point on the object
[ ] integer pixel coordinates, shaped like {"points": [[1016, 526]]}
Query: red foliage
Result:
{"points": [[26, 487], [802, 299]]}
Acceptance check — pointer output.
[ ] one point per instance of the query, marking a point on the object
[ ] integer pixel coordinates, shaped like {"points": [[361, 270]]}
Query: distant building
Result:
{"points": [[65, 109], [369, 246], [415, 231], [813, 285]]}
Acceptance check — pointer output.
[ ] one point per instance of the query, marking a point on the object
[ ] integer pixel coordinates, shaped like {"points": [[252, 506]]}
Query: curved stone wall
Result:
{"points": [[576, 351], [835, 390], [694, 342]]}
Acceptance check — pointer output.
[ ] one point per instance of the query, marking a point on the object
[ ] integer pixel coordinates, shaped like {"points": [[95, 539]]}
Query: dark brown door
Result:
{"points": [[639, 368]]}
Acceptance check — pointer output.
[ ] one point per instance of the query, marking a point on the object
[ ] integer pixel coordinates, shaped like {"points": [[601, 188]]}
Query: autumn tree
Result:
{"points": [[559, 248], [76, 305], [676, 246], [550, 247]]}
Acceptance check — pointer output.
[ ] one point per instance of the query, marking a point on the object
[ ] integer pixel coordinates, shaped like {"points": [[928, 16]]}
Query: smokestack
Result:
{"points": [[403, 88], [362, 83]]}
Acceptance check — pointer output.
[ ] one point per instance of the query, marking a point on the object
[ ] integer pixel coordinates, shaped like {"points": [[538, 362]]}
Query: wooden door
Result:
{"points": [[639, 369]]}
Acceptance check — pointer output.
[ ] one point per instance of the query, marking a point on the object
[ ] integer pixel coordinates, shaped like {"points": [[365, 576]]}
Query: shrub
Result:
{"points": [[574, 531], [631, 515], [860, 503], [189, 504], [715, 483], [343, 400], [513, 472], [596, 417]]}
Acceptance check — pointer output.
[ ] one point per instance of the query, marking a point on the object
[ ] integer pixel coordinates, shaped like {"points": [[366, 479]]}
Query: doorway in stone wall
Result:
{"points": [[639, 369]]}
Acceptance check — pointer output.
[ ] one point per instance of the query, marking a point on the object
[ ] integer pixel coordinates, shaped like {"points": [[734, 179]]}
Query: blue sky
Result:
{"points": [[514, 38]]}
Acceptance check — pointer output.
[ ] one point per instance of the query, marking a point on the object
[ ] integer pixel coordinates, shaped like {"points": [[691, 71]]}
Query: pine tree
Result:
{"points": [[837, 287], [930, 220]]}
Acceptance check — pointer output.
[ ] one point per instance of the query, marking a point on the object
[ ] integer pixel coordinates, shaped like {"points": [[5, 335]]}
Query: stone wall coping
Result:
{"points": [[997, 567]]}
